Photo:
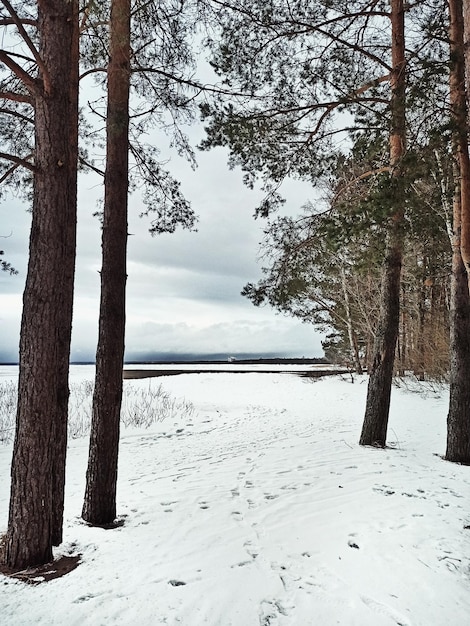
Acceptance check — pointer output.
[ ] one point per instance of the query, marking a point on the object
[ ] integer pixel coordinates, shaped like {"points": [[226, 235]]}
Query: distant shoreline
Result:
{"points": [[204, 361], [303, 367], [131, 374], [235, 361]]}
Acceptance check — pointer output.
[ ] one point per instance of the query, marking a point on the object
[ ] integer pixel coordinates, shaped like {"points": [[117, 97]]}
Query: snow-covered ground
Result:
{"points": [[260, 509]]}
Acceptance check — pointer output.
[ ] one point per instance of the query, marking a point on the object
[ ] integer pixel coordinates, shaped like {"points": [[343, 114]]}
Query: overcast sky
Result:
{"points": [[183, 290]]}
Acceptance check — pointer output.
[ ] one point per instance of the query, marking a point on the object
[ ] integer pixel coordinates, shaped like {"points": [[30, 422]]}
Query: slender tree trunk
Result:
{"points": [[403, 338], [99, 506], [33, 525], [69, 238], [458, 418], [420, 348], [351, 334], [374, 430]]}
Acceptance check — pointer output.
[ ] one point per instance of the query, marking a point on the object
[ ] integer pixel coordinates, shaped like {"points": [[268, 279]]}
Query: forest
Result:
{"points": [[366, 101]]}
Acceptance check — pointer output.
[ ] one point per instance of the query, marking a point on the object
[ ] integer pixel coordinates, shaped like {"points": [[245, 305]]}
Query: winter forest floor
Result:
{"points": [[260, 509]]}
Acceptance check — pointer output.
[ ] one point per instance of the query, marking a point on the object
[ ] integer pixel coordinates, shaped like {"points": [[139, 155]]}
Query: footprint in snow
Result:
{"points": [[383, 609], [289, 487], [252, 550], [383, 489]]}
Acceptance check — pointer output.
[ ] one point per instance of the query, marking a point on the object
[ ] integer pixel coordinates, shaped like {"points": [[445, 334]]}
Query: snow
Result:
{"points": [[260, 509]]}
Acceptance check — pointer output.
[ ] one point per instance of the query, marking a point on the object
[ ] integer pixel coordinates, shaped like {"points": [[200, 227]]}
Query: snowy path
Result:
{"points": [[262, 510]]}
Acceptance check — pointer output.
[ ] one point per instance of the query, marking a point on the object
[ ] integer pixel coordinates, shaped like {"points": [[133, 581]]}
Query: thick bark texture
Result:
{"points": [[466, 44], [458, 418], [40, 439], [68, 269], [99, 506], [374, 430]]}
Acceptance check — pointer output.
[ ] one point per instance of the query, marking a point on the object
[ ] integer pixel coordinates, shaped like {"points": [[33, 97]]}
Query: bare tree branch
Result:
{"points": [[352, 97], [12, 169], [19, 161], [380, 170], [16, 97], [201, 87], [8, 21], [29, 82], [26, 38], [93, 70], [17, 114], [85, 163], [21, 56]]}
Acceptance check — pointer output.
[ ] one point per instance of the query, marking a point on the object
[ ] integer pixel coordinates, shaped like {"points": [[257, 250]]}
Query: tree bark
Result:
{"points": [[458, 98], [458, 418], [40, 443], [374, 429], [69, 238], [99, 506], [466, 45]]}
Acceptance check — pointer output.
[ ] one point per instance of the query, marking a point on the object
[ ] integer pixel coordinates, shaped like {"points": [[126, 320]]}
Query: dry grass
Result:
{"points": [[141, 407]]}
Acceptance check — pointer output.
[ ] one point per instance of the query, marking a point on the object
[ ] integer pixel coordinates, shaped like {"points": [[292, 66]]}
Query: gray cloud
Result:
{"points": [[183, 288], [238, 336]]}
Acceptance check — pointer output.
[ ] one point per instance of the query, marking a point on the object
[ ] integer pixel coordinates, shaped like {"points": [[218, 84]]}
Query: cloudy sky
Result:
{"points": [[183, 289]]}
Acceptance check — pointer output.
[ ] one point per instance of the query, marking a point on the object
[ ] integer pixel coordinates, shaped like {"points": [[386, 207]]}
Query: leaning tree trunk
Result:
{"points": [[99, 506], [458, 418], [374, 429], [47, 300]]}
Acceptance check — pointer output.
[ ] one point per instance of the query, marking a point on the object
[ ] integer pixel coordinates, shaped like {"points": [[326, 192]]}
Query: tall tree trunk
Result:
{"points": [[33, 525], [458, 98], [69, 238], [374, 429], [99, 506], [466, 45], [458, 418]]}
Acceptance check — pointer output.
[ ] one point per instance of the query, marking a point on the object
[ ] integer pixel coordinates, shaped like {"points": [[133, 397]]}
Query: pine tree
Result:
{"points": [[300, 66], [48, 83], [458, 418], [100, 497], [150, 59]]}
